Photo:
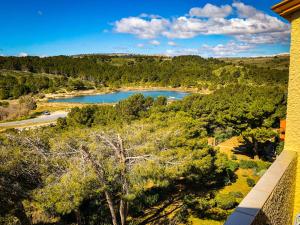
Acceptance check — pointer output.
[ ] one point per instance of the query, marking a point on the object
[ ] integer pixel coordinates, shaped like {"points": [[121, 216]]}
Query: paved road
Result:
{"points": [[39, 120]]}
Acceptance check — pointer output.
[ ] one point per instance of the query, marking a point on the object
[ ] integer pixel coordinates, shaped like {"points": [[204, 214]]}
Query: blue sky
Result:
{"points": [[209, 28]]}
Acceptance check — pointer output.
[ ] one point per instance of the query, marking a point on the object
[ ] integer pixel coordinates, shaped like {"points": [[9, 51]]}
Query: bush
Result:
{"points": [[28, 102], [279, 148], [223, 134], [247, 164], [250, 182], [61, 123], [262, 165], [236, 194], [233, 166], [226, 201], [233, 157], [4, 104], [217, 214]]}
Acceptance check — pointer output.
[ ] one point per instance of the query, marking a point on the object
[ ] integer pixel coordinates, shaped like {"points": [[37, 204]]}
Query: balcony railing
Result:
{"points": [[271, 200]]}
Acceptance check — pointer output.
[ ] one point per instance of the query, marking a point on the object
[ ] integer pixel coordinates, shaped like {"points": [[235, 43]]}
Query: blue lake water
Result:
{"points": [[117, 96]]}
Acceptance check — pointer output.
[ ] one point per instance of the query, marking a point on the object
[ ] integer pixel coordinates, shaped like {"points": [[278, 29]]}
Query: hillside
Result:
{"points": [[18, 74]]}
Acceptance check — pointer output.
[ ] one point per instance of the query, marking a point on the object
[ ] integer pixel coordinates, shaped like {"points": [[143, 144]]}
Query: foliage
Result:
{"points": [[28, 102], [257, 138], [34, 74], [279, 148], [236, 194], [4, 104], [107, 164], [226, 201], [247, 164], [250, 182], [19, 109]]}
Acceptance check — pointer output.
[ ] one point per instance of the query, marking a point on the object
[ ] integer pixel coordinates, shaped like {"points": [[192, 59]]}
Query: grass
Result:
{"points": [[241, 182], [197, 221], [52, 107], [242, 174], [29, 125]]}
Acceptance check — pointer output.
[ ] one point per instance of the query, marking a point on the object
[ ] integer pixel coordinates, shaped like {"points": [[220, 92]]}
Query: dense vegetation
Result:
{"points": [[133, 156], [143, 160], [82, 72]]}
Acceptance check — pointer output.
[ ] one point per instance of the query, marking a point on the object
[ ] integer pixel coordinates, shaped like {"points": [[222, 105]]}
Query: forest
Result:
{"points": [[31, 75], [142, 160]]}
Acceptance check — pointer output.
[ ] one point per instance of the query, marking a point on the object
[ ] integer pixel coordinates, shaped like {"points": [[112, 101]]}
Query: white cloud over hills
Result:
{"points": [[247, 25], [221, 50]]}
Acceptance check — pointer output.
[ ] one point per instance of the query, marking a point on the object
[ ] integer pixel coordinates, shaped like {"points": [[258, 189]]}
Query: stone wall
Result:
{"points": [[270, 202]]}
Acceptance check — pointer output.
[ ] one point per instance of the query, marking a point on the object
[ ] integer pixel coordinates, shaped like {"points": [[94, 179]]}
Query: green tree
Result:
{"points": [[256, 138]]}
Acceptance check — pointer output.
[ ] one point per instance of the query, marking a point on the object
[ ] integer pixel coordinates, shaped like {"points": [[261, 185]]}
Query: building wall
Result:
{"points": [[292, 138]]}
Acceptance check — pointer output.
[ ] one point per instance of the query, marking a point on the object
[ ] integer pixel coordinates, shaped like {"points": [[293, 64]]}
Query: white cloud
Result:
{"points": [[249, 25], [247, 11], [154, 42], [221, 50], [225, 50], [210, 10], [23, 54], [140, 45], [184, 51], [140, 27], [270, 38], [172, 43]]}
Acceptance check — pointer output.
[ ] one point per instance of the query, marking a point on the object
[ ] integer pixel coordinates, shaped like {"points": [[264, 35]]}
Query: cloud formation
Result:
{"points": [[154, 42], [210, 10], [221, 50], [241, 21], [172, 43], [23, 54], [141, 27]]}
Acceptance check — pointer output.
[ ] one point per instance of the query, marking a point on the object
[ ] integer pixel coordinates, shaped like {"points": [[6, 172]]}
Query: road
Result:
{"points": [[44, 119]]}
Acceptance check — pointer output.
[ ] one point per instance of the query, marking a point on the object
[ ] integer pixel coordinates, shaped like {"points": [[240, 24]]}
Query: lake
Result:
{"points": [[117, 96]]}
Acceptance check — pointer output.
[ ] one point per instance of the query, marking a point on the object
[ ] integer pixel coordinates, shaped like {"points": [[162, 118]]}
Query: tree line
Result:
{"points": [[115, 71]]}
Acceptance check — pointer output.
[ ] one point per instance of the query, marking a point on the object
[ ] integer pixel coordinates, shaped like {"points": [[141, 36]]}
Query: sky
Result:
{"points": [[213, 28]]}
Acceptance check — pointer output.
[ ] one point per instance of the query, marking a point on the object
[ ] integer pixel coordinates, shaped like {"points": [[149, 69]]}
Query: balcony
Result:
{"points": [[275, 200], [271, 200]]}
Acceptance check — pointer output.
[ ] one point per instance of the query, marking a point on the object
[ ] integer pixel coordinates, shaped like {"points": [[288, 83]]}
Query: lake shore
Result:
{"points": [[126, 88]]}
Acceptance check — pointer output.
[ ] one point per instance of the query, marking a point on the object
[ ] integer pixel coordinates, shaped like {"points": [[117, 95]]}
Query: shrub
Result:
{"points": [[250, 182], [4, 104], [236, 194], [28, 102], [61, 123], [223, 134], [262, 165], [226, 201], [183, 214], [232, 165], [233, 157], [279, 148], [247, 164], [217, 214]]}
